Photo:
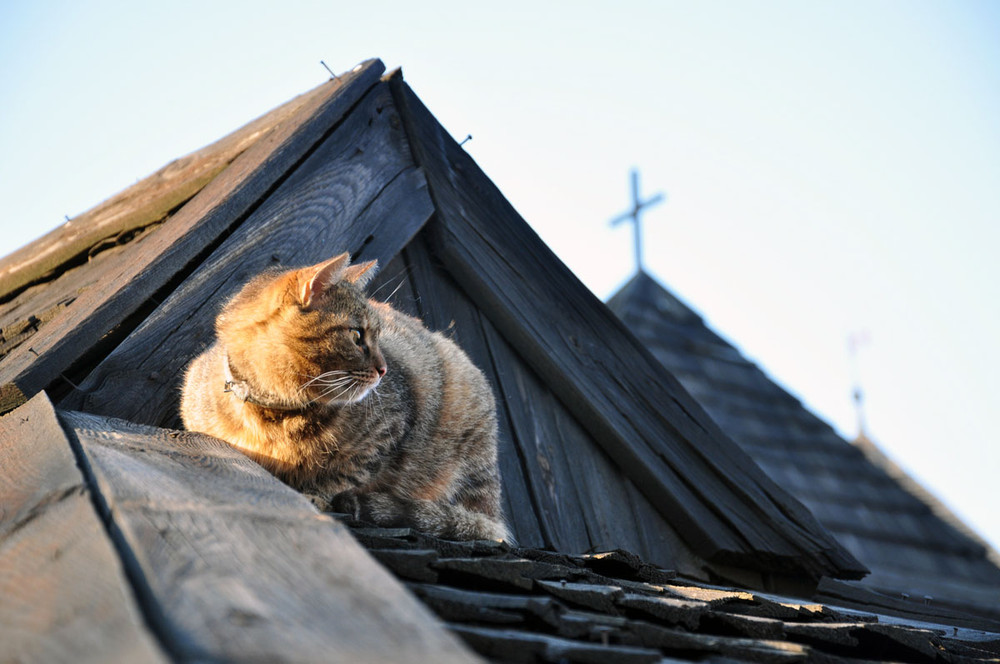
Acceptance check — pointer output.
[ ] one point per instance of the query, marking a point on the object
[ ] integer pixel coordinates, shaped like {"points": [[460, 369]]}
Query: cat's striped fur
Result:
{"points": [[351, 402]]}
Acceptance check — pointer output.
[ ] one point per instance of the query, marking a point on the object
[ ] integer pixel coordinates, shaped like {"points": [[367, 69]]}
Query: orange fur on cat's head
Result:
{"points": [[315, 328]]}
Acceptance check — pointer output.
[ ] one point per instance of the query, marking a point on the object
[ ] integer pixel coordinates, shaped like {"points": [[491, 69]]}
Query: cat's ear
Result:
{"points": [[316, 279], [360, 274]]}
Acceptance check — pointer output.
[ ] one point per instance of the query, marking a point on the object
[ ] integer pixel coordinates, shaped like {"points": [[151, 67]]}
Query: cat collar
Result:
{"points": [[241, 389]]}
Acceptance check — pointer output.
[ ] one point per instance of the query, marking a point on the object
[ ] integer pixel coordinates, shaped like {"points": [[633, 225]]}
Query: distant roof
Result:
{"points": [[913, 546]]}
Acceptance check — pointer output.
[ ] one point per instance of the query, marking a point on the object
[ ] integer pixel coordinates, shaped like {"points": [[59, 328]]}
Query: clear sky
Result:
{"points": [[830, 167]]}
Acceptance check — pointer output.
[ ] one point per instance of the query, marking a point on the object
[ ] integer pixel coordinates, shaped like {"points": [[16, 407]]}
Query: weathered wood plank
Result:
{"points": [[48, 275], [358, 192], [241, 567], [702, 482], [664, 546], [220, 205], [443, 306], [30, 310], [537, 435], [146, 202], [858, 597], [577, 467], [63, 592]]}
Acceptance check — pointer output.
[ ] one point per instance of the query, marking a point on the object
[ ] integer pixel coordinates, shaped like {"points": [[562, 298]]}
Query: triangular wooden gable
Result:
{"points": [[602, 447]]}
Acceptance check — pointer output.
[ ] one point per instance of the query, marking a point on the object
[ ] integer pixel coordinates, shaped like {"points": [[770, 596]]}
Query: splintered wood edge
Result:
{"points": [[142, 204], [11, 397]]}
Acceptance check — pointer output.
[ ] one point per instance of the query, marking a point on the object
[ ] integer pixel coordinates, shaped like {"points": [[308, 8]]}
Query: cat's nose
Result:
{"points": [[381, 370]]}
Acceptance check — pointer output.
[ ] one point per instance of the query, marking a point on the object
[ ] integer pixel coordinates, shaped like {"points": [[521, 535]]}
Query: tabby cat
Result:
{"points": [[351, 402]]}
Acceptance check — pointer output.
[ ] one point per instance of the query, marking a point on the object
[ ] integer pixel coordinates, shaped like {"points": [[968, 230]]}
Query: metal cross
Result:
{"points": [[638, 206]]}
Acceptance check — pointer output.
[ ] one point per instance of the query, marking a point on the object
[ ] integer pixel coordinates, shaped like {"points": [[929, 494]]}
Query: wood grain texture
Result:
{"points": [[444, 307], [220, 205], [666, 547], [569, 463], [534, 424], [63, 593], [573, 467], [144, 203], [30, 310], [240, 567], [359, 192], [704, 485]]}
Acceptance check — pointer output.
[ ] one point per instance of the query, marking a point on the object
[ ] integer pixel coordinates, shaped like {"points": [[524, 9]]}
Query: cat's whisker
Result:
{"points": [[389, 281], [338, 382], [325, 374], [377, 412], [341, 393], [321, 378], [396, 290], [331, 389]]}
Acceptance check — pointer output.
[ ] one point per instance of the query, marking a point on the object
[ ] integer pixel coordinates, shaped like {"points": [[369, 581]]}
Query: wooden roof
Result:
{"points": [[516, 604], [912, 545], [362, 165], [601, 447]]}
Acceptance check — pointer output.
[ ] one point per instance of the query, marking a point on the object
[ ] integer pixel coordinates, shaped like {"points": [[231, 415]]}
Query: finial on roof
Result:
{"points": [[854, 341], [333, 77], [638, 205]]}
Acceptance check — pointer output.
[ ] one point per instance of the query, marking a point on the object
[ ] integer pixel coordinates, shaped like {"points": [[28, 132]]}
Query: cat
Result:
{"points": [[353, 403]]}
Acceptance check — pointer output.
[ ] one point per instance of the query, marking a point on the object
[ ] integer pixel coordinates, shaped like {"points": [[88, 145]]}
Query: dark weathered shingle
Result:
{"points": [[508, 607]]}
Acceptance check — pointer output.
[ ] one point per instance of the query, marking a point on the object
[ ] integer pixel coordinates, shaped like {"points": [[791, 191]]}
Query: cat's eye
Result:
{"points": [[356, 336]]}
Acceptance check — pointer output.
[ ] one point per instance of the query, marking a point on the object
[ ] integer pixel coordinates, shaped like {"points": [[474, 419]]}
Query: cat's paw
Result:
{"points": [[322, 503], [346, 503], [477, 526], [497, 531]]}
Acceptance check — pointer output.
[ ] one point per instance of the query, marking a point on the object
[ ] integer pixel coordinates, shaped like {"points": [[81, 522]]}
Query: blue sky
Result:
{"points": [[830, 167]]}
